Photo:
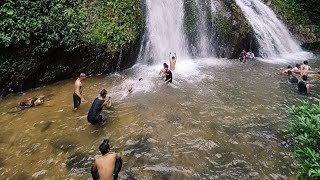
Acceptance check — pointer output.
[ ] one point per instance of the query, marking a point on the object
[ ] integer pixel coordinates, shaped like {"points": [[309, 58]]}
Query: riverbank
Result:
{"points": [[221, 120]]}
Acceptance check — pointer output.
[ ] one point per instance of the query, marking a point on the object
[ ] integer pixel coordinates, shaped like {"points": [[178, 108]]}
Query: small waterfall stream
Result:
{"points": [[273, 36], [164, 33]]}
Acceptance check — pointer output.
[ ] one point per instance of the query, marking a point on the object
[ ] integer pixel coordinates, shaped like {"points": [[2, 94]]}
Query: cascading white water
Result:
{"points": [[164, 22], [202, 26], [273, 36]]}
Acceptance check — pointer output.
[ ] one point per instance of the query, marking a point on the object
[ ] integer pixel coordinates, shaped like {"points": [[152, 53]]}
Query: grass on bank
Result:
{"points": [[305, 131]]}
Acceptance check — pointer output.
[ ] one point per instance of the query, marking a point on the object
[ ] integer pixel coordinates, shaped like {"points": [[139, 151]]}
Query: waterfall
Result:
{"points": [[203, 41], [164, 31], [272, 35]]}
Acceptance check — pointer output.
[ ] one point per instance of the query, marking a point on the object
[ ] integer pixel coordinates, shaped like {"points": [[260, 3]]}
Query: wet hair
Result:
{"points": [[140, 79], [289, 72], [289, 67], [82, 75], [103, 93], [305, 62], [304, 77], [165, 65], [104, 147], [298, 65], [173, 57]]}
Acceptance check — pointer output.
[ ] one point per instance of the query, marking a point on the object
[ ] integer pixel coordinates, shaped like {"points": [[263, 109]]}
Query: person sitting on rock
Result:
{"points": [[107, 166]]}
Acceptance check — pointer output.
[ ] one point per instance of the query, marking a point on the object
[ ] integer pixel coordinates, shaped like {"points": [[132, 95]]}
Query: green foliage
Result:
{"points": [[119, 22], [305, 130], [223, 25], [300, 11], [42, 24]]}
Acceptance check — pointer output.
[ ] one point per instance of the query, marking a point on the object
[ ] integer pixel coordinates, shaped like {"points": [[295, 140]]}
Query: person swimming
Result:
{"points": [[133, 86], [285, 71], [305, 66], [292, 78], [303, 87], [94, 114], [296, 69], [107, 166]]}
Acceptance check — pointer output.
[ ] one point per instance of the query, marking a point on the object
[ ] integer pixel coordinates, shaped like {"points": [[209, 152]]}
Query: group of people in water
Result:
{"points": [[299, 72], [246, 55], [109, 164]]}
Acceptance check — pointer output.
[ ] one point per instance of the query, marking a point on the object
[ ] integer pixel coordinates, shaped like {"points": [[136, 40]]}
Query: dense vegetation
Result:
{"points": [[305, 130], [33, 34], [300, 11]]}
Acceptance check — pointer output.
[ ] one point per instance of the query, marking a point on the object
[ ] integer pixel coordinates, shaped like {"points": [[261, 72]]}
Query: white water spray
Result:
{"points": [[273, 36], [164, 31]]}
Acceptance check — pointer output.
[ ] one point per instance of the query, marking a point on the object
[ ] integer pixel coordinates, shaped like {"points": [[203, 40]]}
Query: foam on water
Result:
{"points": [[187, 70]]}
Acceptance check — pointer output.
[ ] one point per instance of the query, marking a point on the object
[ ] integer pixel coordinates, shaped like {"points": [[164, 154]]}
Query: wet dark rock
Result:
{"points": [[64, 145], [79, 162]]}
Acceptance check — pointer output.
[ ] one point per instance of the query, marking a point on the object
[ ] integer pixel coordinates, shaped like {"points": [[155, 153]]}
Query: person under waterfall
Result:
{"points": [[77, 94], [94, 114], [162, 72], [173, 61], [107, 166], [242, 56], [168, 75]]}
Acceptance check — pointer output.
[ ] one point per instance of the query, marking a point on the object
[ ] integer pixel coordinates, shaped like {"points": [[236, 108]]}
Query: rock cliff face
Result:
{"points": [[229, 31]]}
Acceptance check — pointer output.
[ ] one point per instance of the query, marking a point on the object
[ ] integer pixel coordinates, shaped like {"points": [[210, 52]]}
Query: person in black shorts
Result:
{"points": [[303, 87], [77, 94], [94, 116]]}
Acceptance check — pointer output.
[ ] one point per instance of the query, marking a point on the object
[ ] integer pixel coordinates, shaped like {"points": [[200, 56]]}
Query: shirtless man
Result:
{"points": [[107, 166], [77, 97], [162, 72], [305, 66], [173, 61]]}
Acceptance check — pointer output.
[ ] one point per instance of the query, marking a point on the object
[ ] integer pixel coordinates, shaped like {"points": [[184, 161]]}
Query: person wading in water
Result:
{"points": [[77, 97]]}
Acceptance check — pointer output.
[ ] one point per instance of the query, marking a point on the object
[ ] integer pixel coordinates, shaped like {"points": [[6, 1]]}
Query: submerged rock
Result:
{"points": [[79, 162]]}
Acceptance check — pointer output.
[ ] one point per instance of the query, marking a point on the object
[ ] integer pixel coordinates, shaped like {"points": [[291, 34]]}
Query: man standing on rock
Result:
{"points": [[77, 97]]}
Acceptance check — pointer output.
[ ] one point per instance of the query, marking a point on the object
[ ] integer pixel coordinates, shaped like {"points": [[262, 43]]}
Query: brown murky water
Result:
{"points": [[220, 121]]}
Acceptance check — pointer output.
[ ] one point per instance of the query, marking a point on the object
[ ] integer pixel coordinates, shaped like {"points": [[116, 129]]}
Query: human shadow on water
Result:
{"points": [[44, 126], [64, 145], [80, 162]]}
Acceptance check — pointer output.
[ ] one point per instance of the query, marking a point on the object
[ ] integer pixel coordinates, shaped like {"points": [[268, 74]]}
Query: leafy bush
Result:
{"points": [[305, 130]]}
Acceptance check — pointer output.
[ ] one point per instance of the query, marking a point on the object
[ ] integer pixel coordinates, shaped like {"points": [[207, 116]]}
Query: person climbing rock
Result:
{"points": [[107, 166]]}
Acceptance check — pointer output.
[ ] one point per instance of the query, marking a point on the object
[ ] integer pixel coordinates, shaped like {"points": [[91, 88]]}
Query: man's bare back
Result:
{"points": [[106, 165]]}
